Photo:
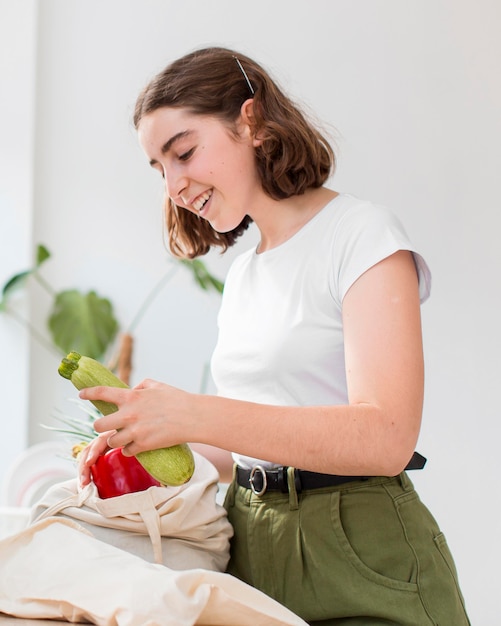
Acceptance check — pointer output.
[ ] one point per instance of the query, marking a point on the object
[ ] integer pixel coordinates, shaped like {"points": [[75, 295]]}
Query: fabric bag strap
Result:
{"points": [[75, 499], [144, 506]]}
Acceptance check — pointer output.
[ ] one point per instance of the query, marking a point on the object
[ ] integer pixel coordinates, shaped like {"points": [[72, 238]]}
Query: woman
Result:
{"points": [[318, 364]]}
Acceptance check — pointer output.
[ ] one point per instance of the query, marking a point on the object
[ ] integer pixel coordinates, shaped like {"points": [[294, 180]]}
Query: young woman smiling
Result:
{"points": [[318, 365]]}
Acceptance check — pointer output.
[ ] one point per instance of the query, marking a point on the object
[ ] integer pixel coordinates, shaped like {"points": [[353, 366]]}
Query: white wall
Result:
{"points": [[413, 90], [17, 103]]}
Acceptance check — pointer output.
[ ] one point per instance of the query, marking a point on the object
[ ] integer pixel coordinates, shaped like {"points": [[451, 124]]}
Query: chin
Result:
{"points": [[224, 227]]}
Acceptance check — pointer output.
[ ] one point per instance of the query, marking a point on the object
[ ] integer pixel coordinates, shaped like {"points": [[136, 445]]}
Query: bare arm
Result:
{"points": [[222, 459], [374, 434]]}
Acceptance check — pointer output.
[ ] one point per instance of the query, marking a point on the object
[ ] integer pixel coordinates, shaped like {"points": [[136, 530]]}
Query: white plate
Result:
{"points": [[35, 470]]}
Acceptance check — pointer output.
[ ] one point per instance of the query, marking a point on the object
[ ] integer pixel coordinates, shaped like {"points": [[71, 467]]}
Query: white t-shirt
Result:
{"points": [[280, 324]]}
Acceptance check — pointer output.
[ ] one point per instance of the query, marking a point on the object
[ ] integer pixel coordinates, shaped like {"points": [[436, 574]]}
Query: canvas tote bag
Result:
{"points": [[55, 569], [180, 527]]}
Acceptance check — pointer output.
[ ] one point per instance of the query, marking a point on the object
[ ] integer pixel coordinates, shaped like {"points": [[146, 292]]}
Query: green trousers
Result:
{"points": [[363, 553]]}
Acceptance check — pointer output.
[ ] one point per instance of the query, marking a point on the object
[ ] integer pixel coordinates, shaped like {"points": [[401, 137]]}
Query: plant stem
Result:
{"points": [[43, 283], [34, 332], [151, 296]]}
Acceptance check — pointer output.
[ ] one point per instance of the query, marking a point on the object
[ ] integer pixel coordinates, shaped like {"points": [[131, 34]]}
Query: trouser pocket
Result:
{"points": [[342, 554], [437, 576]]}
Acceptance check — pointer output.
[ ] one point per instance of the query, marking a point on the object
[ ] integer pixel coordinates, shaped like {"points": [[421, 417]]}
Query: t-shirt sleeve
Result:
{"points": [[366, 235]]}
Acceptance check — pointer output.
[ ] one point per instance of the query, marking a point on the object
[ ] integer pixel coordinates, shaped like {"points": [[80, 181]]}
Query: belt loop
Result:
{"points": [[405, 481], [291, 483], [282, 479], [232, 487]]}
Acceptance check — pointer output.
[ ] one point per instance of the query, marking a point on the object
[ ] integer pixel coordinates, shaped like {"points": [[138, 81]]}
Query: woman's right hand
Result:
{"points": [[90, 455]]}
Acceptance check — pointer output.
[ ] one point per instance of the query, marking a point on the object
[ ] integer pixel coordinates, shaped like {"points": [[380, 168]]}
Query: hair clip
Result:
{"points": [[244, 73]]}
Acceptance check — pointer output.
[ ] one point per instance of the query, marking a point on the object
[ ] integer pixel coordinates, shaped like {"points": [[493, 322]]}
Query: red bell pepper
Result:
{"points": [[115, 474]]}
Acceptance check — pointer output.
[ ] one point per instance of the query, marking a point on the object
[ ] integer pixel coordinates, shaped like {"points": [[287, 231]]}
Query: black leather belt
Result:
{"points": [[260, 480]]}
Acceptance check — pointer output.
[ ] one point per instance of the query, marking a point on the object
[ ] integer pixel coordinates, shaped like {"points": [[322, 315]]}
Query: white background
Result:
{"points": [[412, 89]]}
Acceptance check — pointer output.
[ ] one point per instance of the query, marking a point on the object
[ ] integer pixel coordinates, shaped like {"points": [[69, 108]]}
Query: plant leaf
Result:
{"points": [[202, 276], [216, 283], [82, 322], [18, 280], [42, 255], [14, 282], [75, 433]]}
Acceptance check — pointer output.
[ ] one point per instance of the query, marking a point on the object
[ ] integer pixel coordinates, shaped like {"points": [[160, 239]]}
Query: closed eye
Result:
{"points": [[186, 155]]}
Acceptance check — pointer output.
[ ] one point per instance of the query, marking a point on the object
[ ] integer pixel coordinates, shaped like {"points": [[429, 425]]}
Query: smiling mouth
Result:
{"points": [[199, 203]]}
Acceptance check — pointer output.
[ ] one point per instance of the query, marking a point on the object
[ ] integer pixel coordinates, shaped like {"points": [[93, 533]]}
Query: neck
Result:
{"points": [[279, 220]]}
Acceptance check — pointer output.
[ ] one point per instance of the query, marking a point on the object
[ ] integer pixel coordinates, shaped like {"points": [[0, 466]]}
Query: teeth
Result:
{"points": [[201, 200]]}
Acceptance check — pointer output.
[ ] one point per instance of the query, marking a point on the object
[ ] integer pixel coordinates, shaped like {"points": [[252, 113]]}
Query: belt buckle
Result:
{"points": [[254, 471]]}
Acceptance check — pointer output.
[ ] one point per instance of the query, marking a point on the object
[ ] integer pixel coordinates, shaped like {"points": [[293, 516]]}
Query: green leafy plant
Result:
{"points": [[86, 322]]}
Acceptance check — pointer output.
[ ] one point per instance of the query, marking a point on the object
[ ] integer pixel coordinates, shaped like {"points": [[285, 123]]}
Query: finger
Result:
{"points": [[98, 447], [131, 449], [110, 440], [111, 422], [118, 439], [84, 471], [126, 450], [113, 395], [89, 456]]}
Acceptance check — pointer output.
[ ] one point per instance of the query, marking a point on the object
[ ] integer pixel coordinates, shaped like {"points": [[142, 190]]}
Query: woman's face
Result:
{"points": [[207, 169]]}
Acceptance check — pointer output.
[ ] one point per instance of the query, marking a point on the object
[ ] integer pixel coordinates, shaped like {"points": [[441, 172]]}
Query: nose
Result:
{"points": [[175, 183]]}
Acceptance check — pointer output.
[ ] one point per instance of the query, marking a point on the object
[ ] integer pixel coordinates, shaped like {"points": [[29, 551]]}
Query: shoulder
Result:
{"points": [[358, 214], [353, 220], [366, 233], [346, 214]]}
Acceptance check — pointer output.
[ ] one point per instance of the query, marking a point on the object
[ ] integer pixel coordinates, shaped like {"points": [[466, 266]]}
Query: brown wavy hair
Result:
{"points": [[293, 155]]}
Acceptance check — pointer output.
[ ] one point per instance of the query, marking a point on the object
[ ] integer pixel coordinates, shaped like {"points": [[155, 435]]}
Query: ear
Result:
{"points": [[248, 119]]}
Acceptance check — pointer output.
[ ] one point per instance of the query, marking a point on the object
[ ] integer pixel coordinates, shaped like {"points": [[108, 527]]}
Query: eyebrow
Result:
{"points": [[170, 142]]}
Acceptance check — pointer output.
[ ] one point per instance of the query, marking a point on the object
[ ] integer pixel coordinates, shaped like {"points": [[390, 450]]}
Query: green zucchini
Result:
{"points": [[172, 466]]}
